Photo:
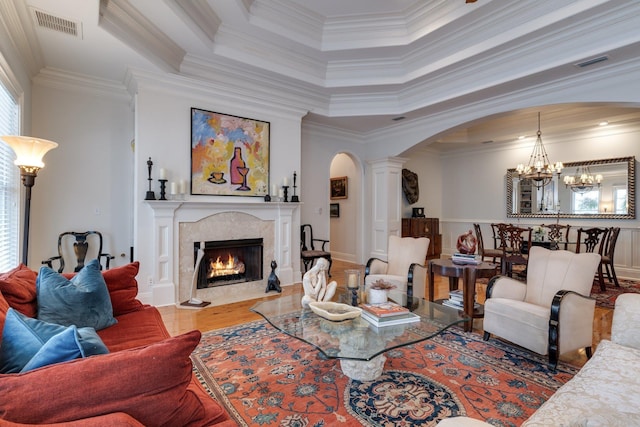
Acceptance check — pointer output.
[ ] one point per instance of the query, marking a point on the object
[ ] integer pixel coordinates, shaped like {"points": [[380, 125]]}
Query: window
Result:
{"points": [[587, 202], [9, 183], [620, 200]]}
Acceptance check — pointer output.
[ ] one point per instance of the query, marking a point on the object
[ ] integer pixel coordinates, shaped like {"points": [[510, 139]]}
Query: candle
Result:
{"points": [[353, 281], [285, 182], [163, 173], [274, 190], [183, 186], [281, 193], [174, 188]]}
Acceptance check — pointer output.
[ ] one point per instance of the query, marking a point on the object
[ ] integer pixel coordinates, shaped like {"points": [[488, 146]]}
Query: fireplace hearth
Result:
{"points": [[227, 262]]}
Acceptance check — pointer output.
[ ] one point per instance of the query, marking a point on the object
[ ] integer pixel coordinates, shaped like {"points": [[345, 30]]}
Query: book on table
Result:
{"points": [[385, 309], [391, 320], [459, 258], [456, 300]]}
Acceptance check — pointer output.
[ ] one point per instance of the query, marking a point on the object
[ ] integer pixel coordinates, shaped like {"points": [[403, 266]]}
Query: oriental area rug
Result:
{"points": [[266, 378], [607, 298]]}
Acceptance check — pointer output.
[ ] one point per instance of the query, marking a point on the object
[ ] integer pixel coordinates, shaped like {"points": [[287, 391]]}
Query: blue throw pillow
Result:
{"points": [[82, 301], [32, 343]]}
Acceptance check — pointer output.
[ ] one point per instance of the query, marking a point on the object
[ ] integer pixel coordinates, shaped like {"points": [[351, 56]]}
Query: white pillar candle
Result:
{"points": [[163, 173], [353, 281], [183, 187], [285, 181], [174, 188], [274, 190], [281, 193]]}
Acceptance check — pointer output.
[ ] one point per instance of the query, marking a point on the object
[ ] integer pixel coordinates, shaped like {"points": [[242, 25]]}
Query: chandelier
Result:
{"points": [[583, 180], [539, 170]]}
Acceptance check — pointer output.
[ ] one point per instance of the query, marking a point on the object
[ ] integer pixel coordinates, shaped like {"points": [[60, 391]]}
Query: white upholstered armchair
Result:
{"points": [[405, 267], [552, 312]]}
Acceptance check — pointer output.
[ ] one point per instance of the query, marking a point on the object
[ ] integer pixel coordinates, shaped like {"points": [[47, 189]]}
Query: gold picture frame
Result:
{"points": [[338, 188]]}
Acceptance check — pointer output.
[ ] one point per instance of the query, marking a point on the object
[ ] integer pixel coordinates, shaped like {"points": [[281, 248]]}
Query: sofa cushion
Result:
{"points": [[123, 287], [31, 343], [138, 328], [153, 384], [81, 301], [19, 289], [605, 384]]}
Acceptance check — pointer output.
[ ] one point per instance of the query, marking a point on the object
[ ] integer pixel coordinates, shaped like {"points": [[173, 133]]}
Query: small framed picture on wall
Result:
{"points": [[334, 210], [338, 188]]}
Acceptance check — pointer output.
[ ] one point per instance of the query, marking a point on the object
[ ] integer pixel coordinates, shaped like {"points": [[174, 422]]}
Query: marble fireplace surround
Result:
{"points": [[179, 224]]}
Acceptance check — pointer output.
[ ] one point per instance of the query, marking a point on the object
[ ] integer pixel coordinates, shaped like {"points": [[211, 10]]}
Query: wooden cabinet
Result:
{"points": [[424, 227]]}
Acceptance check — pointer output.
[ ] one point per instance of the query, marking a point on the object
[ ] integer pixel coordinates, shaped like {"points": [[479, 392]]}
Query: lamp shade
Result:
{"points": [[29, 151]]}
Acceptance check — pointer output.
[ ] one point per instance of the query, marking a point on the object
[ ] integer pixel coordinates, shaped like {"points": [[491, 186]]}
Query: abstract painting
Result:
{"points": [[229, 155]]}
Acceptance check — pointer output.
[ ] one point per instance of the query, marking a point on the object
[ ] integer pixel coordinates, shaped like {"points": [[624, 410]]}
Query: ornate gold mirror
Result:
{"points": [[589, 189]]}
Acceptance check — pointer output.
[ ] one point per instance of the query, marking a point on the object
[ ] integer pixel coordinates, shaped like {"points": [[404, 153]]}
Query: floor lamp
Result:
{"points": [[29, 153]]}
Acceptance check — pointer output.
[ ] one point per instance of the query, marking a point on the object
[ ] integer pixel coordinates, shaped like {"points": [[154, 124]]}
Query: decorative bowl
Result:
{"points": [[334, 311]]}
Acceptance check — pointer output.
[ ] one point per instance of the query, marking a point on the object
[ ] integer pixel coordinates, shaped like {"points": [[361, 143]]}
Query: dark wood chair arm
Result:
{"points": [[367, 268], [49, 262], [108, 258], [554, 326], [410, 273], [324, 242]]}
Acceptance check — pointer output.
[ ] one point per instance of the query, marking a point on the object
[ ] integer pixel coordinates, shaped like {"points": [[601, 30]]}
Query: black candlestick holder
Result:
{"points": [[163, 189], [354, 296], [267, 198], [294, 198], [285, 188], [150, 194]]}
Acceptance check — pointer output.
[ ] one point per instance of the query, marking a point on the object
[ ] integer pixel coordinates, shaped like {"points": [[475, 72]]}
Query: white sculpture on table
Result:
{"points": [[315, 284]]}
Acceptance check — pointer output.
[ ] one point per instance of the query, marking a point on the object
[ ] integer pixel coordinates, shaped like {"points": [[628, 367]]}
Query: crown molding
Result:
{"points": [[124, 21], [68, 81], [14, 16], [184, 86], [199, 16]]}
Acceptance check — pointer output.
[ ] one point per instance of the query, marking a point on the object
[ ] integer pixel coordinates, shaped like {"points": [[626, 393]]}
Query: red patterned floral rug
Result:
{"points": [[607, 298], [264, 377]]}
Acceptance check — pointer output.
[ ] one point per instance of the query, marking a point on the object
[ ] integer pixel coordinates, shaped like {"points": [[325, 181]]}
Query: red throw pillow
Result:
{"points": [[4, 307], [19, 289], [123, 287], [150, 383]]}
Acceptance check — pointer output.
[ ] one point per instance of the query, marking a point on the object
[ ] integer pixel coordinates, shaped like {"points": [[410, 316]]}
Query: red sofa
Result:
{"points": [[145, 380]]}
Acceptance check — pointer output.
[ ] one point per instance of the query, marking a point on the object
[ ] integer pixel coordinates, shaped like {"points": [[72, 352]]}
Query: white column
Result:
{"points": [[386, 203]]}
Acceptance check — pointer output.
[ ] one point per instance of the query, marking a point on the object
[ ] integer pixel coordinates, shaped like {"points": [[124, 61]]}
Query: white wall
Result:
{"points": [[86, 183]]}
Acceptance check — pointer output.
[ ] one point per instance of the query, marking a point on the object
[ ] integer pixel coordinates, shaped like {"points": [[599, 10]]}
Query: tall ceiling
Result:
{"points": [[353, 64]]}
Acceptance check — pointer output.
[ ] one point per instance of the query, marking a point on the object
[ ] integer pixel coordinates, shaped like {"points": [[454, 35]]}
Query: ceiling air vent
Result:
{"points": [[592, 61], [55, 23]]}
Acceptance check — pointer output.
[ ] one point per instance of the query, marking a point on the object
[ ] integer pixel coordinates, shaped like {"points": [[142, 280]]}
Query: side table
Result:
{"points": [[469, 273]]}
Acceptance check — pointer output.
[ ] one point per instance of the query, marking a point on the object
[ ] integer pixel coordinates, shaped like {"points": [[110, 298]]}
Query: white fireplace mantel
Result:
{"points": [[168, 215]]}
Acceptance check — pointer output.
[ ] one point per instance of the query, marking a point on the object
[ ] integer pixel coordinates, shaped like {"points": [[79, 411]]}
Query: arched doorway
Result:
{"points": [[345, 218]]}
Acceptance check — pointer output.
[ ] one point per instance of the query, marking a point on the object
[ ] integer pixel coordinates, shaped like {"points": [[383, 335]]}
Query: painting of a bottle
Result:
{"points": [[236, 162]]}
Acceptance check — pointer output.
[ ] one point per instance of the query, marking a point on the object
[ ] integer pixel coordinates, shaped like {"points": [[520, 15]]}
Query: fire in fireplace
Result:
{"points": [[227, 262]]}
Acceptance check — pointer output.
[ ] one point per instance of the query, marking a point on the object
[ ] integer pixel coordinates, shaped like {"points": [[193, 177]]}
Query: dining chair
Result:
{"points": [[559, 234], [606, 261], [483, 251], [308, 251], [77, 247], [515, 242], [593, 240]]}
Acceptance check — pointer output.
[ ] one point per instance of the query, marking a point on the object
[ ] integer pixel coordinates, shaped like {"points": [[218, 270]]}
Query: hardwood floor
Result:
{"points": [[180, 320]]}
